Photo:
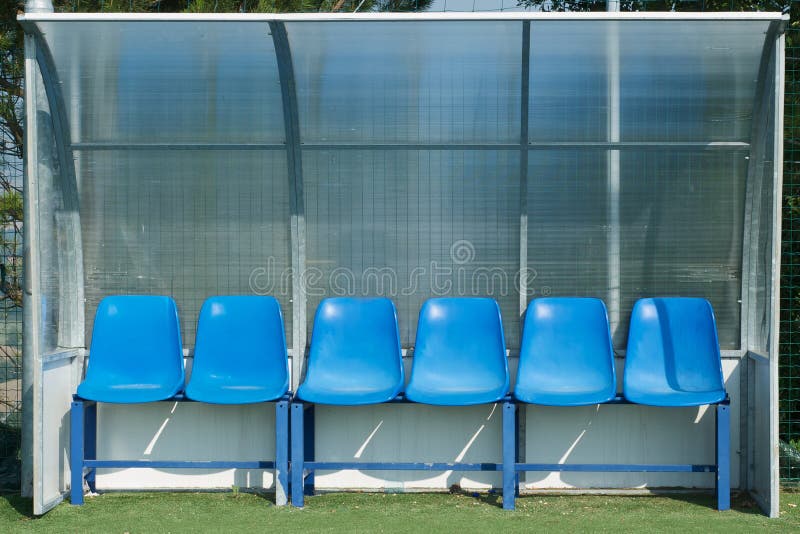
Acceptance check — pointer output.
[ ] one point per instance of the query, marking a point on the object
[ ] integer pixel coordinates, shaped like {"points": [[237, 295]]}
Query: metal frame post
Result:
{"points": [[281, 452], [723, 456], [298, 460], [76, 454], [509, 454], [90, 441], [297, 221], [309, 453]]}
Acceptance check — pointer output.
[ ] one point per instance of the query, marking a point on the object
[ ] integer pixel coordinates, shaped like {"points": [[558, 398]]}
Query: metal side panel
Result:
{"points": [[51, 300]]}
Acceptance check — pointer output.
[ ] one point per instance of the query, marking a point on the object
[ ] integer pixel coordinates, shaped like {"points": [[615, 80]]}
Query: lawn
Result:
{"points": [[229, 512]]}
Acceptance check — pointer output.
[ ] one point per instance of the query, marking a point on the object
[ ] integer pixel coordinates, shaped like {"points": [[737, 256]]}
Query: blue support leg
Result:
{"points": [[723, 457], [76, 451], [90, 441], [298, 454], [517, 415], [310, 453], [509, 455], [281, 452]]}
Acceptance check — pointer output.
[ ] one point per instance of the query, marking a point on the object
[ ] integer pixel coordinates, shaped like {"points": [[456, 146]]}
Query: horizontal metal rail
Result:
{"points": [[534, 145], [404, 466], [178, 146], [619, 468], [187, 464], [383, 17]]}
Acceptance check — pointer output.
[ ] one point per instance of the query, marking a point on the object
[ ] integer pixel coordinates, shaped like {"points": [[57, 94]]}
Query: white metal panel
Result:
{"points": [[629, 434], [760, 434], [185, 431], [53, 422], [401, 432]]}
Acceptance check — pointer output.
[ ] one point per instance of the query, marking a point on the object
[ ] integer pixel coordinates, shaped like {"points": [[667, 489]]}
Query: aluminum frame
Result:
{"points": [[316, 17], [512, 467], [36, 53], [84, 463]]}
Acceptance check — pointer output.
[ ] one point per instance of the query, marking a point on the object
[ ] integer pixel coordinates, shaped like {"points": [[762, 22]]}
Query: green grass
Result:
{"points": [[228, 512]]}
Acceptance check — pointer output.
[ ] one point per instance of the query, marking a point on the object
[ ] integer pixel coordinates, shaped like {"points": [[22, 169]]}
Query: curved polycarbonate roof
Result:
{"points": [[406, 78], [607, 154]]}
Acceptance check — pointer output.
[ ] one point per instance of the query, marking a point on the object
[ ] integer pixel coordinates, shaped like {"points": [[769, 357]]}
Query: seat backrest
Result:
{"points": [[672, 347], [136, 339], [242, 339], [460, 353], [355, 344], [566, 356]]}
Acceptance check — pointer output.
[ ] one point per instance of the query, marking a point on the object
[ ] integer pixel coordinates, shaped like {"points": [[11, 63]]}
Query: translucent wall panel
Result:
{"points": [[408, 82], [680, 229], [50, 202], [688, 82], [168, 83], [681, 219], [568, 228], [189, 224], [760, 197], [412, 225], [568, 82], [678, 80]]}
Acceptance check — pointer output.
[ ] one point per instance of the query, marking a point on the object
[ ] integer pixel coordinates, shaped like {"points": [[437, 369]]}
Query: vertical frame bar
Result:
{"points": [[281, 452], [32, 369], [294, 160], [723, 456], [309, 452], [76, 451], [90, 441], [509, 455], [524, 155], [298, 459], [777, 212], [613, 300], [523, 168]]}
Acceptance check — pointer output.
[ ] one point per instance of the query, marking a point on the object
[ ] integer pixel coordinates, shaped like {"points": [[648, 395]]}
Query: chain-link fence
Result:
{"points": [[790, 281], [11, 70], [11, 75]]}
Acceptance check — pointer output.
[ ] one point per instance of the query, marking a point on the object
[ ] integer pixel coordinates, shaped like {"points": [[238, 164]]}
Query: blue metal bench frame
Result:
{"points": [[304, 465], [83, 449], [512, 467]]}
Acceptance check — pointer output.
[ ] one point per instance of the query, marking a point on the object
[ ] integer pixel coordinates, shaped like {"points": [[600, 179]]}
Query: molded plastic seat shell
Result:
{"points": [[673, 356], [460, 353], [136, 353], [240, 353], [566, 357], [355, 353]]}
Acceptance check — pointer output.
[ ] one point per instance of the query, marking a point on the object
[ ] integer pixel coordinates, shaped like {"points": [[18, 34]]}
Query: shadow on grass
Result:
{"points": [[740, 501], [269, 497], [492, 498], [22, 505]]}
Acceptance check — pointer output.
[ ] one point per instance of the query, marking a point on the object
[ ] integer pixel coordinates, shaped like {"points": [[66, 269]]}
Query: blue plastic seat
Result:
{"points": [[460, 353], [240, 352], [136, 353], [566, 357], [355, 353], [673, 356]]}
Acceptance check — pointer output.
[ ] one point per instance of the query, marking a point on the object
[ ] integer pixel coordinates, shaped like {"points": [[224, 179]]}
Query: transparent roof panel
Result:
{"points": [[408, 82], [688, 82], [568, 82], [677, 80], [160, 82]]}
